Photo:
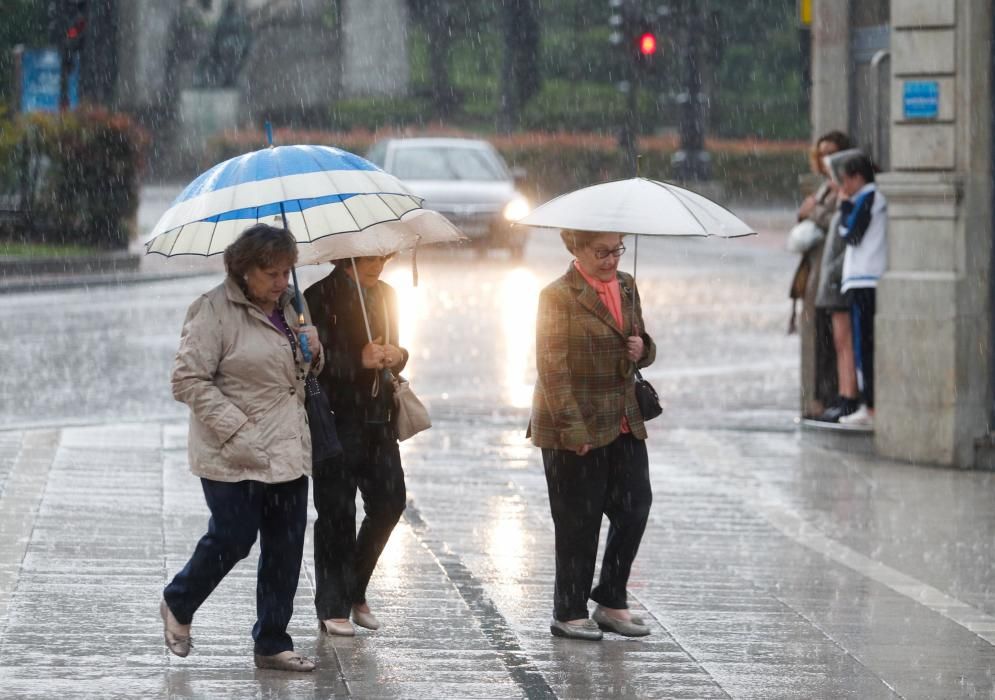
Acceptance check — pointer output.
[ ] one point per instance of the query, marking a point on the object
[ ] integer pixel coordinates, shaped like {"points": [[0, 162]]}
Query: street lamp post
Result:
{"points": [[691, 161]]}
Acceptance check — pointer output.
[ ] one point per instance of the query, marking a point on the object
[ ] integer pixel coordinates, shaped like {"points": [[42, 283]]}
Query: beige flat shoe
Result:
{"points": [[177, 636], [334, 628], [285, 661], [365, 619], [626, 628], [587, 630]]}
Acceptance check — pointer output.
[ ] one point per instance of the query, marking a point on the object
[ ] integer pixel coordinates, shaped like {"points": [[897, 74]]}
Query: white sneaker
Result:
{"points": [[861, 417]]}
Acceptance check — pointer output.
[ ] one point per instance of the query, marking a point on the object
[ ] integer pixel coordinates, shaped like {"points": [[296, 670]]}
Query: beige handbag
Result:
{"points": [[410, 415]]}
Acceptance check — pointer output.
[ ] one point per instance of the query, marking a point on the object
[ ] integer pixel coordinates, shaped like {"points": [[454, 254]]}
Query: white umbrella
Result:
{"points": [[415, 228], [638, 206], [641, 207]]}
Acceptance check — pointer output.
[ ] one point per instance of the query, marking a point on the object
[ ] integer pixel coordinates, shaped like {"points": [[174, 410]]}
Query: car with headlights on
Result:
{"points": [[466, 180]]}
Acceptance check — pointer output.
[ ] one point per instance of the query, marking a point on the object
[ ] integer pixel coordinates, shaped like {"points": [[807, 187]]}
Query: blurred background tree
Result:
{"points": [[754, 83], [24, 22]]}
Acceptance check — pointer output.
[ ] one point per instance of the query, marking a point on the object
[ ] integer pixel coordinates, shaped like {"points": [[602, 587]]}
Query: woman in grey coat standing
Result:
{"points": [[829, 300]]}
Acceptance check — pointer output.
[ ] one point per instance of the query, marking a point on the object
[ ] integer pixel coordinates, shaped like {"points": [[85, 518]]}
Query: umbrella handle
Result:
{"points": [[299, 305], [305, 346]]}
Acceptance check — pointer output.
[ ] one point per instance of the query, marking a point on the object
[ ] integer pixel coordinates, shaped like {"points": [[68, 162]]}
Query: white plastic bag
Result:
{"points": [[804, 236]]}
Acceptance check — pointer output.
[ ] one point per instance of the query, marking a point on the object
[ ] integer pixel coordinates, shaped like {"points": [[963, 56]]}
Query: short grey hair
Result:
{"points": [[576, 240]]}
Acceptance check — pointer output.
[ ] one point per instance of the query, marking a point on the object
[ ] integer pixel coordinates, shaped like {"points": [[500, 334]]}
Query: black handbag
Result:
{"points": [[647, 398], [325, 443]]}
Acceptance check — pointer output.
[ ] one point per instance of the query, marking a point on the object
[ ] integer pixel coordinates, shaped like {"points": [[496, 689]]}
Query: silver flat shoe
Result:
{"points": [[626, 628], [285, 661], [177, 636], [334, 628], [365, 619], [587, 630]]}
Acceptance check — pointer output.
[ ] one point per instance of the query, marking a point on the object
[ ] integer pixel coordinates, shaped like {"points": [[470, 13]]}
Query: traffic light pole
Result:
{"points": [[630, 130], [691, 161]]}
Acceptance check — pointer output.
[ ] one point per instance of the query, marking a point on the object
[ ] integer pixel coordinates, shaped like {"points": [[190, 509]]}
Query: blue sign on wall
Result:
{"points": [[921, 99], [40, 75]]}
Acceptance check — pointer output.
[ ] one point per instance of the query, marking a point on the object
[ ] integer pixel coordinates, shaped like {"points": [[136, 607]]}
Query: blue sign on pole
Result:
{"points": [[921, 99], [40, 76]]}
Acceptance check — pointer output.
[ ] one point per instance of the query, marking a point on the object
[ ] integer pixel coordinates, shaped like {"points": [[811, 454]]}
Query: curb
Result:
{"points": [[56, 282], [116, 261]]}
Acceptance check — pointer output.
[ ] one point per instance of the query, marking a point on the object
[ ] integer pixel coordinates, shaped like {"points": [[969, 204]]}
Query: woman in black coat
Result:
{"points": [[357, 379]]}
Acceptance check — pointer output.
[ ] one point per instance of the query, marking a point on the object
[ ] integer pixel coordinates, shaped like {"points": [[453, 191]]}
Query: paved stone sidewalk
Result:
{"points": [[770, 569]]}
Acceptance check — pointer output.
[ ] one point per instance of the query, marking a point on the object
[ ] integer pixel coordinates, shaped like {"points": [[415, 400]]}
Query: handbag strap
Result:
{"points": [[375, 390], [386, 320]]}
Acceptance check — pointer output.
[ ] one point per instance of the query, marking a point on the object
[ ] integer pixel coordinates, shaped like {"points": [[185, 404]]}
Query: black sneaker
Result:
{"points": [[843, 407]]}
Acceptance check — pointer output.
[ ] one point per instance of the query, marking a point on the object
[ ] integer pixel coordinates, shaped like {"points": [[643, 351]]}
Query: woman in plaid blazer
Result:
{"points": [[589, 339]]}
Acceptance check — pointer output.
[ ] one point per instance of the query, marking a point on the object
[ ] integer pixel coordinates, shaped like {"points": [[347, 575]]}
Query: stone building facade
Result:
{"points": [[923, 105]]}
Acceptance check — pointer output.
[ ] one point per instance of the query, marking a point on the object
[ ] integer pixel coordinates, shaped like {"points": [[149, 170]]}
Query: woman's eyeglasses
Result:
{"points": [[602, 253]]}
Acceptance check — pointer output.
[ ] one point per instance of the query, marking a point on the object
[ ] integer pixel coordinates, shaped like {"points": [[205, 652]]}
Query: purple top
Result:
{"points": [[277, 319]]}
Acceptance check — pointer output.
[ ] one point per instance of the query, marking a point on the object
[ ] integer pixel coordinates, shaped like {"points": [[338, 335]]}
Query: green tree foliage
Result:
{"points": [[758, 81], [754, 84]]}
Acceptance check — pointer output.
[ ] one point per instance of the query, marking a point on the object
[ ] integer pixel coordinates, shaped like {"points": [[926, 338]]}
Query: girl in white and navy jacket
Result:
{"points": [[864, 228]]}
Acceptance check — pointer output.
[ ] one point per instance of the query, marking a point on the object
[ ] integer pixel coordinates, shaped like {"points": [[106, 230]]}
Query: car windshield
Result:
{"points": [[447, 163]]}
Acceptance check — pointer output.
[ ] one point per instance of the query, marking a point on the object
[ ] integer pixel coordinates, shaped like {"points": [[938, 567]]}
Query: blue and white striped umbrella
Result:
{"points": [[353, 207]]}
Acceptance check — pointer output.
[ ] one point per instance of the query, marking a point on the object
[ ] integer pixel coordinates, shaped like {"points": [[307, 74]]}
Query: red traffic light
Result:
{"points": [[647, 43], [75, 31]]}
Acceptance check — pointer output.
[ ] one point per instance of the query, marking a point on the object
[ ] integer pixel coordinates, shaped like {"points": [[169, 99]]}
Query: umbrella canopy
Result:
{"points": [[416, 228], [638, 206], [316, 191]]}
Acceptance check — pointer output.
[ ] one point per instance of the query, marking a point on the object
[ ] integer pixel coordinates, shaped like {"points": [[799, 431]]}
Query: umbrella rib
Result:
{"points": [[307, 229], [210, 241], [724, 208], [393, 210], [681, 202], [355, 221], [334, 189], [172, 246]]}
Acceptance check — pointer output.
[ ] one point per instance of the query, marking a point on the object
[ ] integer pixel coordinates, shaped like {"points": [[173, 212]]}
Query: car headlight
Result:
{"points": [[516, 209]]}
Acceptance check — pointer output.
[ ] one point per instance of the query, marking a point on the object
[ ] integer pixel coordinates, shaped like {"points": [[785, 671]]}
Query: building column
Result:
{"points": [[932, 330], [375, 48], [831, 64]]}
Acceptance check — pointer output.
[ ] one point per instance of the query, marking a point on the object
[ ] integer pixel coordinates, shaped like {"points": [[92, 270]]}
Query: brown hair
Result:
{"points": [[576, 240], [837, 138], [261, 245]]}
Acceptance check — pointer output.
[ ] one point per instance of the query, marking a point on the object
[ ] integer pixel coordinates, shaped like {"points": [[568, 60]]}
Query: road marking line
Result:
{"points": [[804, 533], [796, 528], [495, 628]]}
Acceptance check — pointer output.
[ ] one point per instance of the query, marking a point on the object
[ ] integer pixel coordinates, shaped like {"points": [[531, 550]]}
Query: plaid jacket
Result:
{"points": [[585, 383]]}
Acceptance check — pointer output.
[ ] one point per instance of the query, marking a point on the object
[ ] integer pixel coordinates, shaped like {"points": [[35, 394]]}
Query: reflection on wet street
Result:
{"points": [[770, 567]]}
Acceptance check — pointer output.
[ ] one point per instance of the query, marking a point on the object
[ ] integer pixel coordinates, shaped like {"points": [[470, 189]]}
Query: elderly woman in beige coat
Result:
{"points": [[241, 371]]}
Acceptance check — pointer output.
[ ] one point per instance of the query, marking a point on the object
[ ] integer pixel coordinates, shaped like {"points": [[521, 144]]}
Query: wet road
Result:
{"points": [[718, 309], [770, 567]]}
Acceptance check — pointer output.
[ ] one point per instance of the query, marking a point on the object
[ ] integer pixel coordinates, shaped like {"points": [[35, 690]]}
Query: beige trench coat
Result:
{"points": [[245, 390]]}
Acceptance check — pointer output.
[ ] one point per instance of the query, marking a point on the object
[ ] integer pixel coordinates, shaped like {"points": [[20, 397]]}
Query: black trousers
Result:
{"points": [[863, 303], [344, 560], [278, 512], [612, 480]]}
